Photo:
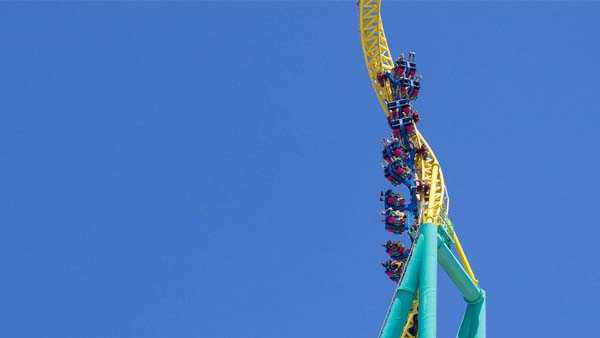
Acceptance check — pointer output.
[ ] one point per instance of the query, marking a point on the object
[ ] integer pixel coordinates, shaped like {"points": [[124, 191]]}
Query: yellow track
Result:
{"points": [[378, 59]]}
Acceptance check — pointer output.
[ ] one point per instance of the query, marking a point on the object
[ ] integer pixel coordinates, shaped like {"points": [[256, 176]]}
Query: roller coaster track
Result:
{"points": [[434, 208], [379, 59]]}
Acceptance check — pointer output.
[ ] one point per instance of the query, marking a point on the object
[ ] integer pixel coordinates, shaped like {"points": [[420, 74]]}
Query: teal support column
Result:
{"points": [[405, 293], [473, 323], [428, 282], [457, 274]]}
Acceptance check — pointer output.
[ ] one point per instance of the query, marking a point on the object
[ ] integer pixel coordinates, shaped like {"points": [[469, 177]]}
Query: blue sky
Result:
{"points": [[212, 169]]}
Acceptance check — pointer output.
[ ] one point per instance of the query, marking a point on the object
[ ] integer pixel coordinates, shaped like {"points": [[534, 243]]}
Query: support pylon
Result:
{"points": [[428, 282], [431, 248]]}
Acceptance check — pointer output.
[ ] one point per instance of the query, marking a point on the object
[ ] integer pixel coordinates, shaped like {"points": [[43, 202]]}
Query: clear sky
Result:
{"points": [[211, 169]]}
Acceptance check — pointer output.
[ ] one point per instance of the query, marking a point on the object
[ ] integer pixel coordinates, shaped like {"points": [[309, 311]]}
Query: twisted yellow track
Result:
{"points": [[378, 59]]}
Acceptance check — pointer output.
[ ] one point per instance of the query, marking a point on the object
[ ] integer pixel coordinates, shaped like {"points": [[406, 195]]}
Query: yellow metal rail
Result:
{"points": [[375, 47], [461, 253]]}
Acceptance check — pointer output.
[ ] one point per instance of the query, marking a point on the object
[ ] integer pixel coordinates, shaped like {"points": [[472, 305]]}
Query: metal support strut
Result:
{"points": [[428, 282]]}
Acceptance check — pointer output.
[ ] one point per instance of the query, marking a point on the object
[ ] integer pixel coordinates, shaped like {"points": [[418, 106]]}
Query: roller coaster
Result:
{"points": [[426, 236]]}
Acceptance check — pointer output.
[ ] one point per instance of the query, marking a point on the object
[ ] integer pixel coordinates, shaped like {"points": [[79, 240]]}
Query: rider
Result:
{"points": [[382, 77], [394, 217], [404, 88], [421, 188], [412, 66], [395, 221], [393, 149], [410, 128], [393, 269], [398, 170], [415, 116], [397, 230], [414, 89], [392, 200], [421, 151], [396, 250], [400, 66], [405, 108]]}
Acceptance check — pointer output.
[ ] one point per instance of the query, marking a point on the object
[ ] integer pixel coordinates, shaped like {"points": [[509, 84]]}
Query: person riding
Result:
{"points": [[400, 66], [411, 70], [392, 200], [382, 77], [395, 250], [415, 116], [393, 269], [402, 87], [398, 171], [421, 187], [395, 229], [394, 217], [410, 128], [421, 151], [415, 88], [393, 149], [405, 108], [412, 56], [395, 221], [413, 231]]}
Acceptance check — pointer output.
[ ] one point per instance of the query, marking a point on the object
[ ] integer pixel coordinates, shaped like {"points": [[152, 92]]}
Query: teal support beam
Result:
{"points": [[428, 282], [457, 274], [421, 273], [473, 323], [405, 293]]}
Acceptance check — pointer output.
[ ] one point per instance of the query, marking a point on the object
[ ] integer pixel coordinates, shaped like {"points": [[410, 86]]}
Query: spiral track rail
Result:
{"points": [[434, 208]]}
